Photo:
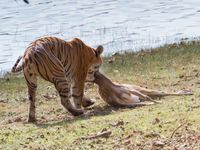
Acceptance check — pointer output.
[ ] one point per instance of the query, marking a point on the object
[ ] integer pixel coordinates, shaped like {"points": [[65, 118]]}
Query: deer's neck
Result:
{"points": [[102, 81]]}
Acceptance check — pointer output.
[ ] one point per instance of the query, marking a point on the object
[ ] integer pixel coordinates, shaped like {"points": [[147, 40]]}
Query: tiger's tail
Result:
{"points": [[17, 68]]}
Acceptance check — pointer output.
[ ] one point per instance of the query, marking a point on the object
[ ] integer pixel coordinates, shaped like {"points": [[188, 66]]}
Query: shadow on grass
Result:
{"points": [[94, 111]]}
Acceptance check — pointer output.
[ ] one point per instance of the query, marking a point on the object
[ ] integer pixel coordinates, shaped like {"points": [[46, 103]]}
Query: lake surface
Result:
{"points": [[118, 25]]}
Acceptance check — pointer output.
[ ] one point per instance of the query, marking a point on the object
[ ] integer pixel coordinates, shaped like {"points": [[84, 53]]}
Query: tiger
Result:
{"points": [[66, 64]]}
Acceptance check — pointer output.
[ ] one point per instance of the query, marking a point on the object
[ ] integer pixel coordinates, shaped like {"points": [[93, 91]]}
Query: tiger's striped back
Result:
{"points": [[74, 56]]}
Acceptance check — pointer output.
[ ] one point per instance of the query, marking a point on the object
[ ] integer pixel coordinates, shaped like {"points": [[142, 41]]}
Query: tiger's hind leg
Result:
{"points": [[50, 68], [31, 81]]}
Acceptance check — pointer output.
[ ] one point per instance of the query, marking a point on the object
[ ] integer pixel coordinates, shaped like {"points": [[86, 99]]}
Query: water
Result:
{"points": [[116, 24]]}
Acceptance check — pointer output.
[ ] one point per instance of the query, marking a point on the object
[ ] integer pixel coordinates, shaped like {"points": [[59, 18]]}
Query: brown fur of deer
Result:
{"points": [[128, 95]]}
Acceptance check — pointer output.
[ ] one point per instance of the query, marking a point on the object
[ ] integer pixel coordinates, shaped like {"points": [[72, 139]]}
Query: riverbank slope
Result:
{"points": [[173, 124]]}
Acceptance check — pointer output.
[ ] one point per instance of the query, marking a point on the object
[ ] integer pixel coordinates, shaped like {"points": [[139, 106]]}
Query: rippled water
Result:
{"points": [[117, 24]]}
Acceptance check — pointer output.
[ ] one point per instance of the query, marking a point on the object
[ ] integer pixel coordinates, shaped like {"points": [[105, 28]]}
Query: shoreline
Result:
{"points": [[122, 52]]}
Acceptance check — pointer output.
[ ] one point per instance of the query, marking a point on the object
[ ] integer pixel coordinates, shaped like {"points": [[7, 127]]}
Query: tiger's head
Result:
{"points": [[95, 65]]}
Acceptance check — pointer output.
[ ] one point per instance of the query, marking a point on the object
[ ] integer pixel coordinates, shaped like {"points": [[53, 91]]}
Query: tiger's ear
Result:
{"points": [[99, 50]]}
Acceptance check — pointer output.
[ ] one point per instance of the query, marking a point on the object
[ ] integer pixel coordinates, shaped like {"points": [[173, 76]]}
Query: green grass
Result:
{"points": [[168, 68]]}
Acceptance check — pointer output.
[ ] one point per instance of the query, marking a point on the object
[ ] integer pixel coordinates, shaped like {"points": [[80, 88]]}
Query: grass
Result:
{"points": [[174, 124]]}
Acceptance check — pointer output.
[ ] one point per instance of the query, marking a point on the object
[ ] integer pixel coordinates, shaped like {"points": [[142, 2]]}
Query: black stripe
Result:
{"points": [[30, 85], [67, 74], [58, 82], [45, 70], [37, 65], [30, 59], [64, 96], [45, 66]]}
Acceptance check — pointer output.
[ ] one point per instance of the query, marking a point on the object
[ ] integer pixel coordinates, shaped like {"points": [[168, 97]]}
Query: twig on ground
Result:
{"points": [[181, 125]]}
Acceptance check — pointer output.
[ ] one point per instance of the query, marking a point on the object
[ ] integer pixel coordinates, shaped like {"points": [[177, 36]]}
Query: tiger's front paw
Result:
{"points": [[87, 102], [77, 112]]}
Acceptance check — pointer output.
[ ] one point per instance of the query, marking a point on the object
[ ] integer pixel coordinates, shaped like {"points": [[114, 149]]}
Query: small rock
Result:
{"points": [[158, 143], [127, 142]]}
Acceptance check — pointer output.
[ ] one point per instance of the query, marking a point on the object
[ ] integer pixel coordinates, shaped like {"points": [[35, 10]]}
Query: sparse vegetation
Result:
{"points": [[174, 124]]}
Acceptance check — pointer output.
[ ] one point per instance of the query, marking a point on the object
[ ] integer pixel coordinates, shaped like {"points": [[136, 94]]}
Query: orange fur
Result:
{"points": [[65, 64]]}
